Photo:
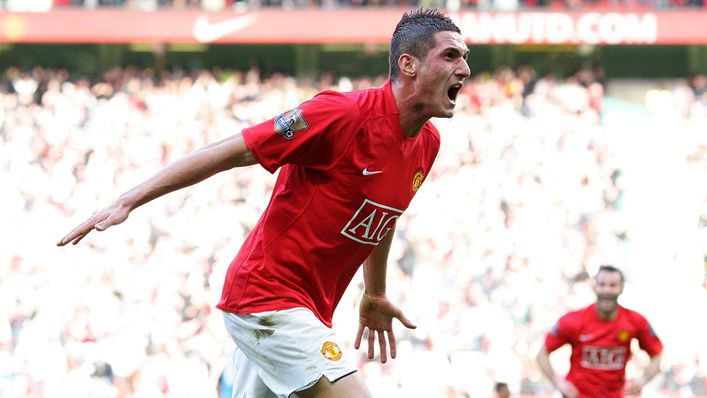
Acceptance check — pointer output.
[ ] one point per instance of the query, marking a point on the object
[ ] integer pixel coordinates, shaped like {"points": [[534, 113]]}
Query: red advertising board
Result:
{"points": [[349, 26]]}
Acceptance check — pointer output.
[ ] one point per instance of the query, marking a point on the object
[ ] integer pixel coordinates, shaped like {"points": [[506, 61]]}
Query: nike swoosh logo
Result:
{"points": [[585, 337], [206, 32], [366, 172]]}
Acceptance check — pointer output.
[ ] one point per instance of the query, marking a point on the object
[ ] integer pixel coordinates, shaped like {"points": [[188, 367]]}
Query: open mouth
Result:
{"points": [[453, 92]]}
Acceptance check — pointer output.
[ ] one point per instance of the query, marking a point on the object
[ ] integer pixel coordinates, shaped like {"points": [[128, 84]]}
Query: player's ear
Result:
{"points": [[595, 285], [408, 65]]}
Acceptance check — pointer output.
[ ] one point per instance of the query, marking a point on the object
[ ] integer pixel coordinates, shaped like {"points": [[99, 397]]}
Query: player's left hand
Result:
{"points": [[634, 387], [376, 314]]}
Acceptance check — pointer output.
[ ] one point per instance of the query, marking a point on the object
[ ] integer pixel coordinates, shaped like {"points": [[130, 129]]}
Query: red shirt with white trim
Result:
{"points": [[347, 173], [601, 349]]}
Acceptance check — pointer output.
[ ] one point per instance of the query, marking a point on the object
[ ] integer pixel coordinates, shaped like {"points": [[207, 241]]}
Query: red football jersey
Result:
{"points": [[601, 349], [347, 173]]}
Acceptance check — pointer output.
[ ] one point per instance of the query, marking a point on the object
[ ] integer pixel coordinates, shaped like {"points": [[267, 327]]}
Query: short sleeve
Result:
{"points": [[315, 134], [647, 338], [559, 335]]}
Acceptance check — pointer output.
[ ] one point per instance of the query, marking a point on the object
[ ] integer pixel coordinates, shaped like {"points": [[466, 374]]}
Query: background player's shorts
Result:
{"points": [[281, 352]]}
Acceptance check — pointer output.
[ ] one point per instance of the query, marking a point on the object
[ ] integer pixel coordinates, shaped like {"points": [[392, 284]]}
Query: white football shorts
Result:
{"points": [[281, 352]]}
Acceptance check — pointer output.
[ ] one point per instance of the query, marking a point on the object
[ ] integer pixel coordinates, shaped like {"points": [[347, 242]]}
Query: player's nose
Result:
{"points": [[463, 71]]}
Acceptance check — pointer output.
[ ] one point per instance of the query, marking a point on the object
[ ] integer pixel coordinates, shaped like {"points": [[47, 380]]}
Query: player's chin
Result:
{"points": [[608, 305]]}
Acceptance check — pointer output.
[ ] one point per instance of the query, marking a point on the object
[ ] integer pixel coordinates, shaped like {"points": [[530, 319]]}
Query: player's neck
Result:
{"points": [[412, 119], [607, 316]]}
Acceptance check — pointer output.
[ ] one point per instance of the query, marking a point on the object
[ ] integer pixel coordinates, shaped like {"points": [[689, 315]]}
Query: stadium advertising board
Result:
{"points": [[348, 26]]}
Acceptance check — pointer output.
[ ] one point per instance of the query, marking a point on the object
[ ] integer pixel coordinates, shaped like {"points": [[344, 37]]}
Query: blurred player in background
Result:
{"points": [[600, 336], [501, 390], [349, 166]]}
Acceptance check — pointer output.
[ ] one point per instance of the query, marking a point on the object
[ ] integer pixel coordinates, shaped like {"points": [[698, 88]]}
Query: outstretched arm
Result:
{"points": [[651, 370], [190, 169], [565, 387], [376, 313]]}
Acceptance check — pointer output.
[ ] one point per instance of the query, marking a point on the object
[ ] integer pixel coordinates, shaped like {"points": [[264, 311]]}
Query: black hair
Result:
{"points": [[414, 35], [610, 268]]}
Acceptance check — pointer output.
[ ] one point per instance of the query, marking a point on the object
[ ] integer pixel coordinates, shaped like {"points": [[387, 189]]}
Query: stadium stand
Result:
{"points": [[220, 5]]}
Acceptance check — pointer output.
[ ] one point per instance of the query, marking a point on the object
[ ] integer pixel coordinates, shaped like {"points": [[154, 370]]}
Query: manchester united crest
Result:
{"points": [[624, 336], [331, 351], [417, 180]]}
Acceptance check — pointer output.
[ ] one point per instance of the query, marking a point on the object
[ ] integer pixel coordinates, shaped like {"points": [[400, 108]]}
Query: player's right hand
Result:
{"points": [[104, 219], [567, 389]]}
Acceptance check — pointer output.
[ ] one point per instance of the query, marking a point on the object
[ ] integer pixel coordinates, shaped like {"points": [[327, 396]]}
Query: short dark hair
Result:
{"points": [[610, 268], [414, 35]]}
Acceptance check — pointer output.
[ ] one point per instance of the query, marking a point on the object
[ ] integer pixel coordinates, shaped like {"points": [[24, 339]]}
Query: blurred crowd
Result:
{"points": [[540, 179], [221, 5]]}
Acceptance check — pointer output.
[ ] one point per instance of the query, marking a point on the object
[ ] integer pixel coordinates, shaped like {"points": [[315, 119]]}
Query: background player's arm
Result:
{"points": [[190, 169], [649, 373], [543, 360], [651, 344], [376, 312], [560, 383]]}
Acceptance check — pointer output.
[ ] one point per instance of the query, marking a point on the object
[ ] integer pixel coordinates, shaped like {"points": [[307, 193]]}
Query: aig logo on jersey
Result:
{"points": [[289, 123], [371, 222], [603, 358]]}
